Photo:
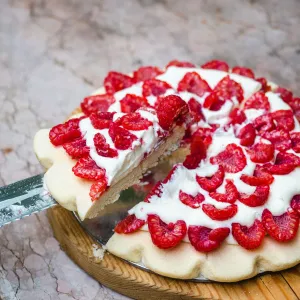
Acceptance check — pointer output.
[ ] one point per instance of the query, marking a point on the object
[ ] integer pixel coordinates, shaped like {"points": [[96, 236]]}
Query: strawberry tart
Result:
{"points": [[231, 209]]}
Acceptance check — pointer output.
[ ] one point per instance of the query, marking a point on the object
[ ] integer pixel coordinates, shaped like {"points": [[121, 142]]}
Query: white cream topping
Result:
{"points": [[116, 167]]}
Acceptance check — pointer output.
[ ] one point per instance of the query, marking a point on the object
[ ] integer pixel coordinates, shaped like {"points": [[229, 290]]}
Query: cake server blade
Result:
{"points": [[23, 198]]}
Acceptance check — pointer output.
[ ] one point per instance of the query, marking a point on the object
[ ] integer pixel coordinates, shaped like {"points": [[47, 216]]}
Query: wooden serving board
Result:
{"points": [[135, 283]]}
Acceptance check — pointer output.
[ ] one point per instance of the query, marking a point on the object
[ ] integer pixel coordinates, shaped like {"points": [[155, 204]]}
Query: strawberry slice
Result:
{"points": [[264, 84], [65, 133], [101, 120], [115, 82], [210, 184], [77, 148], [247, 135], [195, 110], [121, 137], [258, 101], [156, 190], [264, 123], [103, 148], [130, 103], [295, 204], [86, 168], [145, 73], [284, 94], [155, 87], [249, 237], [230, 196], [243, 71], [170, 109], [128, 225], [284, 119], [189, 200], [134, 121], [295, 105], [204, 239], [216, 65], [98, 188], [170, 175], [96, 103], [164, 235], [232, 159], [197, 153], [193, 83], [206, 134], [261, 153], [237, 116], [220, 214], [180, 64], [295, 138], [261, 177], [281, 228], [279, 138], [258, 198]]}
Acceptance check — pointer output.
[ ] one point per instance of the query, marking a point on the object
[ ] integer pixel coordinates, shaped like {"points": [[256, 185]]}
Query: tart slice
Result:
{"points": [[91, 159]]}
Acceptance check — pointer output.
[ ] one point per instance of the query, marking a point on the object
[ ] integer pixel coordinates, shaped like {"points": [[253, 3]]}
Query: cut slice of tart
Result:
{"points": [[232, 208], [91, 159]]}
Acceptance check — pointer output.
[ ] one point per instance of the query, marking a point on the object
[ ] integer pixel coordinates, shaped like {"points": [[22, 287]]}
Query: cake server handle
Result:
{"points": [[23, 198]]}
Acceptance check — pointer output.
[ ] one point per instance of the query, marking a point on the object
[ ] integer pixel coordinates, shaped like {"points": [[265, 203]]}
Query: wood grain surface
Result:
{"points": [[135, 283]]}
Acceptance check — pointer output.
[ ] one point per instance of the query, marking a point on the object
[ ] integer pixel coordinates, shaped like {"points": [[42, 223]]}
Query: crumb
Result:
{"points": [[98, 251], [7, 150]]}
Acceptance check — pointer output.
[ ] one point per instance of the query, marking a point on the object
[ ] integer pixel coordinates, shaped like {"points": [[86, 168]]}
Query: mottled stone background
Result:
{"points": [[54, 52]]}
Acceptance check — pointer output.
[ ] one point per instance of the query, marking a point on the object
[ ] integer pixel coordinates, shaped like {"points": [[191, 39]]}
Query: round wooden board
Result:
{"points": [[135, 283]]}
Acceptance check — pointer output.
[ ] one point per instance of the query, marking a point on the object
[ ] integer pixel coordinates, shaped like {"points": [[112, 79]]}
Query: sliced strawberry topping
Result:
{"points": [[134, 121], [77, 148], [264, 84], [65, 133], [210, 184], [220, 214], [96, 103], [155, 87], [204, 239], [249, 237], [170, 109], [295, 105], [261, 153], [230, 196], [281, 228], [206, 134], [261, 177], [232, 159], [156, 190], [193, 83], [243, 71], [98, 188], [258, 198], [258, 101], [197, 153], [237, 116], [180, 64], [103, 148], [115, 82], [247, 135], [88, 169], [144, 73], [285, 94], [216, 65], [170, 175], [285, 163], [279, 138], [121, 137], [295, 137], [189, 200], [264, 123], [284, 119], [164, 235], [101, 120], [130, 224], [195, 110], [295, 204], [130, 103]]}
